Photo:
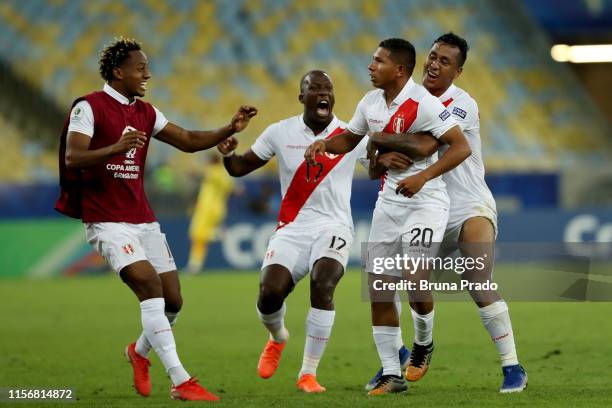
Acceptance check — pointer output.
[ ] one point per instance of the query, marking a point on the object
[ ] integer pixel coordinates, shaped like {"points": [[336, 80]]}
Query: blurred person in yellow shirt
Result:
{"points": [[209, 212]]}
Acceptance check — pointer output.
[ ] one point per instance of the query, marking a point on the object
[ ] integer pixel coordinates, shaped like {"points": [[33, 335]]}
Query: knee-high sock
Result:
{"points": [[388, 344], [142, 344], [319, 325], [275, 323], [496, 320], [423, 327], [157, 329]]}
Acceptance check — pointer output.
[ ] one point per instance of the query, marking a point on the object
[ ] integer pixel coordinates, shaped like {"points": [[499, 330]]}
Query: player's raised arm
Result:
{"points": [[79, 156], [238, 165], [341, 143], [458, 150], [417, 146], [196, 140]]}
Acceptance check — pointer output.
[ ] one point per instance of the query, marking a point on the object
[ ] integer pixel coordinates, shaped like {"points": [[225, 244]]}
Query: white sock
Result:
{"points": [[496, 320], [423, 327], [157, 329], [275, 323], [319, 325], [387, 339], [142, 344]]}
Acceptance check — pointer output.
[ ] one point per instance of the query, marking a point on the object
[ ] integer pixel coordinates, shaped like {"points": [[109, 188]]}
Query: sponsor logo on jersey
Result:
{"points": [[459, 112], [376, 121], [128, 249], [444, 115]]}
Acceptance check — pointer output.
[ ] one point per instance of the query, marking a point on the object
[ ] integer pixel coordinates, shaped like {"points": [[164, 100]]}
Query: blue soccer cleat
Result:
{"points": [[515, 379], [404, 355]]}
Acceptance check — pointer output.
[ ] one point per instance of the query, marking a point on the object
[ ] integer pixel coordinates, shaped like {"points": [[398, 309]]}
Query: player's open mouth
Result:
{"points": [[323, 108], [431, 75], [143, 85]]}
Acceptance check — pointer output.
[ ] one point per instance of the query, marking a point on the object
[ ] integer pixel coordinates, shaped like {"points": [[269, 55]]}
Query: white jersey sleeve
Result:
{"points": [[265, 146], [82, 119], [433, 117], [359, 122], [160, 121], [465, 112]]}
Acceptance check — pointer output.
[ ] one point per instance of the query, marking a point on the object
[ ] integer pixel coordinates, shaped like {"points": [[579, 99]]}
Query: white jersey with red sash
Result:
{"points": [[413, 110], [312, 195], [466, 184]]}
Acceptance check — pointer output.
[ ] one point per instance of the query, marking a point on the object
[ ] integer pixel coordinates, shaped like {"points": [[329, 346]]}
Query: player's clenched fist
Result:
{"points": [[241, 119], [130, 140], [317, 147], [411, 185], [228, 145]]}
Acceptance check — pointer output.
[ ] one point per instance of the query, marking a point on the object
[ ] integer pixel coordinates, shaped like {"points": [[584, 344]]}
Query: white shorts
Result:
{"points": [[298, 248], [455, 225], [121, 244], [412, 230]]}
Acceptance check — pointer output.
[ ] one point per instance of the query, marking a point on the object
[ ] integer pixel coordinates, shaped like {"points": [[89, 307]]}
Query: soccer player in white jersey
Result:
{"points": [[472, 224], [315, 228], [412, 207]]}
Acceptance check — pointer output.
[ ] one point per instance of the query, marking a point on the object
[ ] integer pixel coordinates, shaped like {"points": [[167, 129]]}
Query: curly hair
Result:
{"points": [[453, 39], [115, 54]]}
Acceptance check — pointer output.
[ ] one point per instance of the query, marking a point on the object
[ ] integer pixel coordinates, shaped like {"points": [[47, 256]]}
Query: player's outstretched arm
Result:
{"points": [[196, 140], [238, 165], [417, 146], [458, 151], [79, 156], [341, 143]]}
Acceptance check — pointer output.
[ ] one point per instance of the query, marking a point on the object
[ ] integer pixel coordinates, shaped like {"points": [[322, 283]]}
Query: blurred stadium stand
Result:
{"points": [[207, 57]]}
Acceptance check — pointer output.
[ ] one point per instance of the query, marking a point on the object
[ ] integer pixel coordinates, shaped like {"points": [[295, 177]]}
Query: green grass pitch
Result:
{"points": [[71, 333]]}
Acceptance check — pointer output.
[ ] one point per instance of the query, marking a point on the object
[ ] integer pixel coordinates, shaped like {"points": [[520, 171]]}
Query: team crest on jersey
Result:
{"points": [[444, 115], [398, 124], [459, 112], [128, 249], [130, 154]]}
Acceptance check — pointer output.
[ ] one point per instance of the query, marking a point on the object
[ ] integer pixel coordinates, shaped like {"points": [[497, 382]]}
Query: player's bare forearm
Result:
{"points": [[79, 159], [195, 140], [342, 143], [376, 171], [458, 150], [240, 165], [339, 144], [417, 146], [79, 156]]}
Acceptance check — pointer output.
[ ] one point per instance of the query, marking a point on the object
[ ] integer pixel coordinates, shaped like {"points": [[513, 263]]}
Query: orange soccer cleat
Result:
{"points": [[270, 358], [190, 390], [140, 365], [308, 383], [420, 359]]}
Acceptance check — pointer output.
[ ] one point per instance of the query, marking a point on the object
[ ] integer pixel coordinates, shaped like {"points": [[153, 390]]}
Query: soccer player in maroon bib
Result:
{"points": [[103, 151]]}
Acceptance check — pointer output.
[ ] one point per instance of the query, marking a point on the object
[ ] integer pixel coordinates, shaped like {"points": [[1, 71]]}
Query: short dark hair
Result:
{"points": [[314, 72], [115, 54], [453, 39], [402, 51]]}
